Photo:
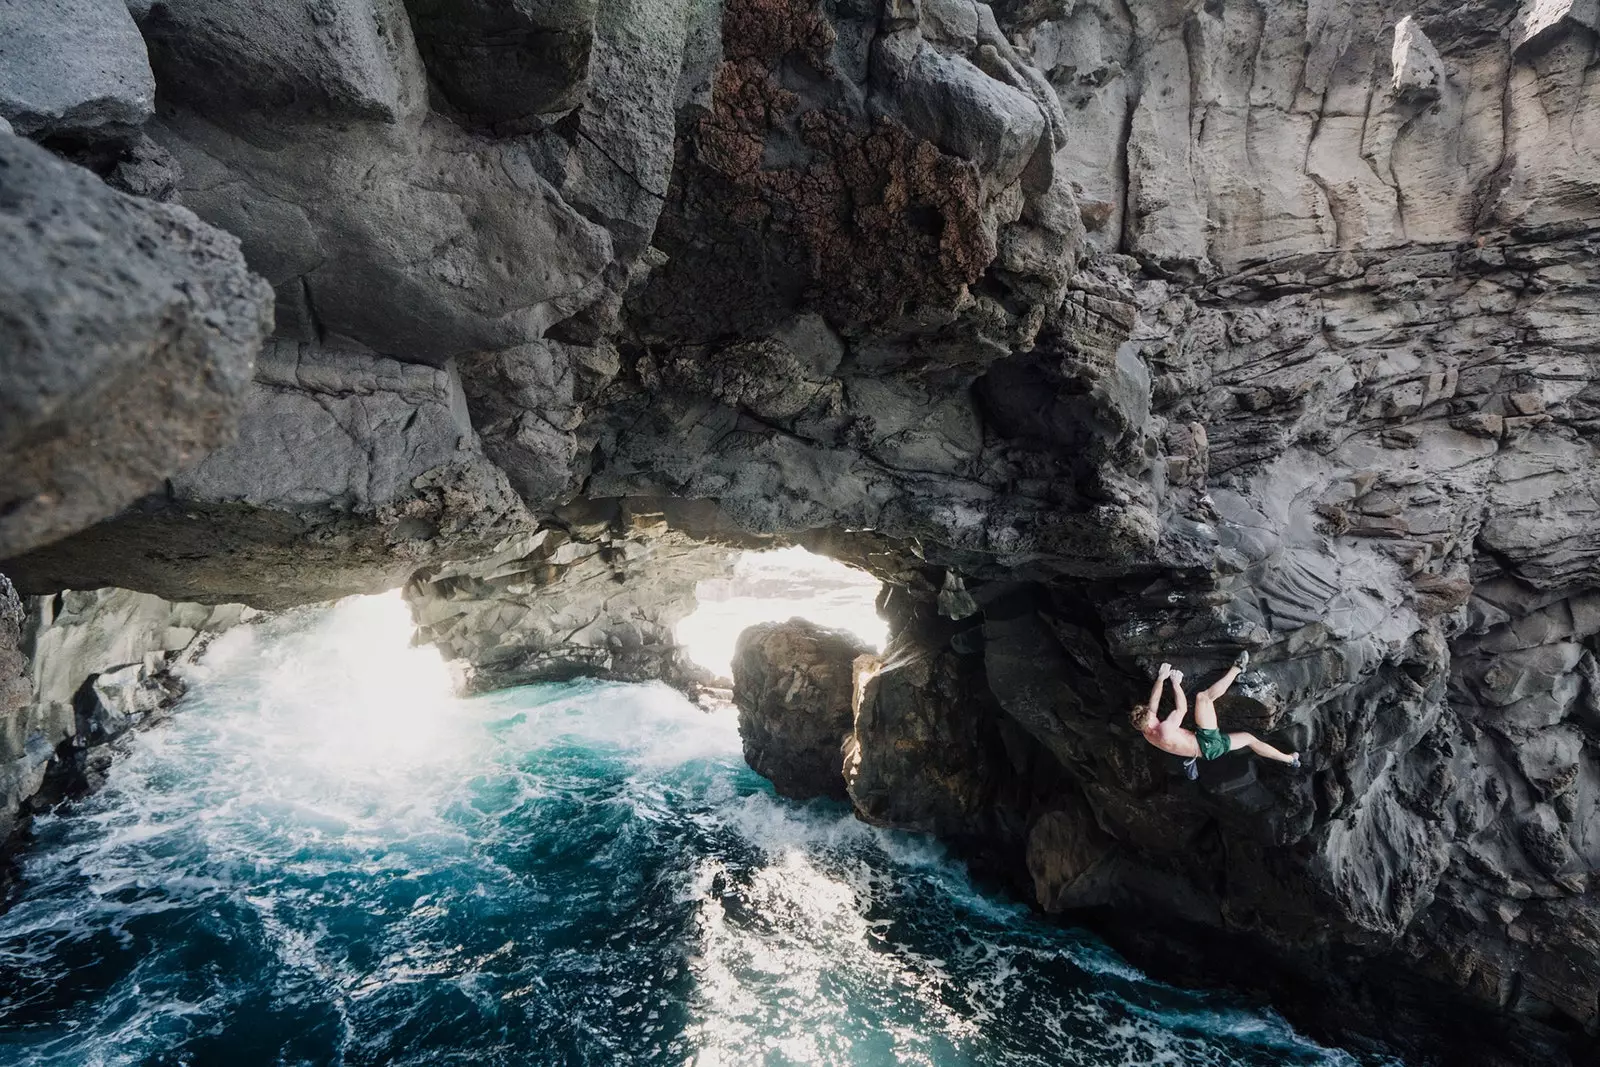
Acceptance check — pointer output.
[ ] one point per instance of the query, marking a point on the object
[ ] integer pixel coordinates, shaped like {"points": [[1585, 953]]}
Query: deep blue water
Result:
{"points": [[326, 859]]}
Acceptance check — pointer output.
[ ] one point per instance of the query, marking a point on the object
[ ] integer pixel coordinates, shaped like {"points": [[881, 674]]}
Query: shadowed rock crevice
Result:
{"points": [[502, 62]]}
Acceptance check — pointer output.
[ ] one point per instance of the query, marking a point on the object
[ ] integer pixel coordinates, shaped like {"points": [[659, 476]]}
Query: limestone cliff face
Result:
{"points": [[1104, 333]]}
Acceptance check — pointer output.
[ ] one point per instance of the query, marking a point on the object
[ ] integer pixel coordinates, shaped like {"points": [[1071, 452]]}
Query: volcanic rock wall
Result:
{"points": [[81, 670], [1103, 332], [127, 333]]}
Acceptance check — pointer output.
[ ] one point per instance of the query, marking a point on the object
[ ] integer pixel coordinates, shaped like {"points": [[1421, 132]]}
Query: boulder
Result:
{"points": [[74, 72], [965, 111], [349, 472], [502, 61], [794, 685], [347, 59], [128, 334], [924, 753]]}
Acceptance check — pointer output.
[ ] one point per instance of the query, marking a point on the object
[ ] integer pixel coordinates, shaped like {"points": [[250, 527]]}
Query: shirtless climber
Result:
{"points": [[1206, 742]]}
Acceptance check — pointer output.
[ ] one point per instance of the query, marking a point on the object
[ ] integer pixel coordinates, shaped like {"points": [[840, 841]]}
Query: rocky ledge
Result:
{"points": [[595, 591], [1102, 333]]}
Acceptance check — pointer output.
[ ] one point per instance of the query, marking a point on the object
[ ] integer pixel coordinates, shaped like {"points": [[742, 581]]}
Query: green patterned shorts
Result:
{"points": [[1213, 743]]}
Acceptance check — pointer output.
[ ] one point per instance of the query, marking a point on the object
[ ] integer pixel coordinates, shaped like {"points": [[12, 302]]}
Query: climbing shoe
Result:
{"points": [[1191, 767]]}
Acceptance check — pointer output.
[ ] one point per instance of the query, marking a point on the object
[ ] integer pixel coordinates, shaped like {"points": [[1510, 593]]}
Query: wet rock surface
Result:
{"points": [[794, 684], [96, 665], [1104, 334]]}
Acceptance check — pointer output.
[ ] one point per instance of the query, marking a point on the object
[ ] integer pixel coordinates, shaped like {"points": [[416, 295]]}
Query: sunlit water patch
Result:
{"points": [[327, 859]]}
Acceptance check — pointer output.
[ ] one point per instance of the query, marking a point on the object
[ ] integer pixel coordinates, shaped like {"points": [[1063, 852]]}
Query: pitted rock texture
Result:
{"points": [[1103, 333], [867, 167], [349, 472], [128, 331], [794, 684]]}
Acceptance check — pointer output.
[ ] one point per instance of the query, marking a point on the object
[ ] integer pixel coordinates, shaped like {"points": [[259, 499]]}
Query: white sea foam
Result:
{"points": [[371, 870]]}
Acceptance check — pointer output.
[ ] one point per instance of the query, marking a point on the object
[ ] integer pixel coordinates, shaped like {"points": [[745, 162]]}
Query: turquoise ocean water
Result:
{"points": [[327, 859]]}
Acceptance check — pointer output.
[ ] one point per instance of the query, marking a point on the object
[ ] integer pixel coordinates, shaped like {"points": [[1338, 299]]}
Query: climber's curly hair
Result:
{"points": [[1139, 715]]}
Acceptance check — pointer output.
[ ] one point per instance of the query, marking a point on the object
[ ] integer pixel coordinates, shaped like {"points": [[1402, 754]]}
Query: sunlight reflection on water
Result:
{"points": [[355, 696]]}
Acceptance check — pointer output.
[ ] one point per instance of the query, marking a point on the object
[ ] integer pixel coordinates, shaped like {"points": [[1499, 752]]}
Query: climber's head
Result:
{"points": [[1142, 717]]}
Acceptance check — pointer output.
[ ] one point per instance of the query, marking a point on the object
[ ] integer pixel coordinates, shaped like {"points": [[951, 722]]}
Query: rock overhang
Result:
{"points": [[1151, 338]]}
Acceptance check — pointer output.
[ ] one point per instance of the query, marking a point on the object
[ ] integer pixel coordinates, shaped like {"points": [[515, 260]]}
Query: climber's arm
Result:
{"points": [[1182, 698], [1155, 689]]}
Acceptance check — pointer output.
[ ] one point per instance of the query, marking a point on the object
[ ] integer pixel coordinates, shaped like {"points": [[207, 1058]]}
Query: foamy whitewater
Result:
{"points": [[325, 858]]}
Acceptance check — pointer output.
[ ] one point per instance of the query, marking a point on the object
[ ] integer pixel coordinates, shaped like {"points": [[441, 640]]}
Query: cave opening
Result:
{"points": [[775, 585]]}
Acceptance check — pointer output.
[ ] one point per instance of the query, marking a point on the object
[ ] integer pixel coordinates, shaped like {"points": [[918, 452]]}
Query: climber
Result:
{"points": [[1206, 741]]}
